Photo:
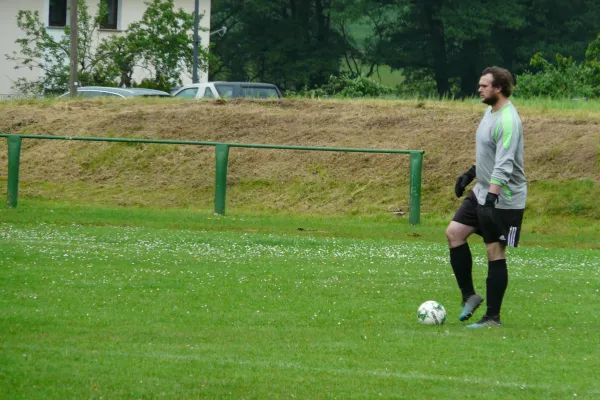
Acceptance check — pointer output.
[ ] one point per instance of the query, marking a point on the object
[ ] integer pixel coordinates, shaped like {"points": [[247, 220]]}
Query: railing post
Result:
{"points": [[14, 160], [416, 169], [222, 157]]}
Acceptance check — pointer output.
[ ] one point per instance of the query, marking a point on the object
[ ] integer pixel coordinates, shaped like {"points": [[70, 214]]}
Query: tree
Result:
{"points": [[161, 42], [566, 78], [361, 24], [456, 39], [40, 50], [551, 27], [592, 61], [292, 43], [121, 57], [450, 38]]}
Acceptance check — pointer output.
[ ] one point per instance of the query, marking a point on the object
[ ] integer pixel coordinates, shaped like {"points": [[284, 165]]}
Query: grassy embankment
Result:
{"points": [[562, 157]]}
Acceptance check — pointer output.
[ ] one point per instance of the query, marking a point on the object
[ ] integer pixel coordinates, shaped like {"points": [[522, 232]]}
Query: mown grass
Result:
{"points": [[571, 108], [542, 229], [141, 303], [557, 211]]}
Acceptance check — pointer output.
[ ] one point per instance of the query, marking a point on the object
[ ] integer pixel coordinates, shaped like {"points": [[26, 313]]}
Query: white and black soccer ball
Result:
{"points": [[431, 313]]}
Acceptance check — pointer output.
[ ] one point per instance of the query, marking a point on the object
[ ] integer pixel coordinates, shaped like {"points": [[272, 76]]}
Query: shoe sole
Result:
{"points": [[469, 315], [477, 326]]}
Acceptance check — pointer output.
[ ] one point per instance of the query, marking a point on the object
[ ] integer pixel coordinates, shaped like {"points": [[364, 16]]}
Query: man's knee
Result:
{"points": [[495, 251], [455, 235], [451, 233]]}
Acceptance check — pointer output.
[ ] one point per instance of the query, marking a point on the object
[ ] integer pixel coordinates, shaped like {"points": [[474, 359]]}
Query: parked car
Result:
{"points": [[227, 90], [102, 91]]}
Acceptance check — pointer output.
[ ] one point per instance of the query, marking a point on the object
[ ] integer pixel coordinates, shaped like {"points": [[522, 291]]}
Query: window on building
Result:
{"points": [[112, 14], [57, 14]]}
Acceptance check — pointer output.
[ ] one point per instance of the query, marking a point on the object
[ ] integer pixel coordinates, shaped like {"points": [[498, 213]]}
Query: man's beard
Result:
{"points": [[490, 101]]}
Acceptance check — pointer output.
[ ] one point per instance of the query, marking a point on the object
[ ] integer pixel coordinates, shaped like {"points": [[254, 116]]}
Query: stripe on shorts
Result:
{"points": [[512, 235]]}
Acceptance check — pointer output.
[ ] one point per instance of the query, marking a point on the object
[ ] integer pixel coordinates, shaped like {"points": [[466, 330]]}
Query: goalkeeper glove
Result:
{"points": [[486, 215], [463, 181]]}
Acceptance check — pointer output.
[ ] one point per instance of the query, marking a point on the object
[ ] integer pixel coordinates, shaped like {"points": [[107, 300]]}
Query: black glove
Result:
{"points": [[486, 215], [463, 181], [490, 200]]}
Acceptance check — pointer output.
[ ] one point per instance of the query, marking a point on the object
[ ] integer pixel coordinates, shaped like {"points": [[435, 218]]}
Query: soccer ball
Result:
{"points": [[431, 313]]}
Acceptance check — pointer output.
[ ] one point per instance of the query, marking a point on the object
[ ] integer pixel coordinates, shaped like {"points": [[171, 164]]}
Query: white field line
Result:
{"points": [[299, 367]]}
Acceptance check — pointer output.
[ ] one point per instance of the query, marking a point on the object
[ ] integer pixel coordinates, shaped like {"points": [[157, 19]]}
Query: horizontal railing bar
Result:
{"points": [[198, 143]]}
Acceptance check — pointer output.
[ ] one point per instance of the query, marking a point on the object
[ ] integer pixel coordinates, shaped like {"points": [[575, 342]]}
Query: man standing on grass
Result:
{"points": [[494, 208]]}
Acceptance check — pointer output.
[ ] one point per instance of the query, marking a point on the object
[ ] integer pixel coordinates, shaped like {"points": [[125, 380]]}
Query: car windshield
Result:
{"points": [[225, 91], [264, 92], [189, 93]]}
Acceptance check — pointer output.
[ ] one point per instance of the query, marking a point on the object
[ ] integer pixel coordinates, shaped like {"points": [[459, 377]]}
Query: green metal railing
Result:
{"points": [[222, 157]]}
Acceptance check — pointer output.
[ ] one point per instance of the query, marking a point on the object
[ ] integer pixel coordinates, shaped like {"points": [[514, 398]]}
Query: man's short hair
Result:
{"points": [[502, 78]]}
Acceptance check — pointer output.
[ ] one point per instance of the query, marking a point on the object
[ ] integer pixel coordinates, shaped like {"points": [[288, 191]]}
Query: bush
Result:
{"points": [[418, 83], [356, 87], [566, 79], [592, 60], [344, 86], [306, 92]]}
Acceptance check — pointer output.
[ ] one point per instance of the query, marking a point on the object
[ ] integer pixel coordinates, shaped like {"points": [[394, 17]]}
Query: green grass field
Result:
{"points": [[137, 303]]}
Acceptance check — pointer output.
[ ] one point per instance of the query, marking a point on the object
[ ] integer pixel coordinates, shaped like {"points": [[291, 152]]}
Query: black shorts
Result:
{"points": [[509, 220]]}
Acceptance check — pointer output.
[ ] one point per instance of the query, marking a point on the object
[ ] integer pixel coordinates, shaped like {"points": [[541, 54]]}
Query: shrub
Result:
{"points": [[355, 87], [418, 83], [344, 86], [566, 79], [592, 60]]}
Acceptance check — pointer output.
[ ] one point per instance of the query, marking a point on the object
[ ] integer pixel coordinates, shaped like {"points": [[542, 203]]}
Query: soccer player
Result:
{"points": [[494, 208]]}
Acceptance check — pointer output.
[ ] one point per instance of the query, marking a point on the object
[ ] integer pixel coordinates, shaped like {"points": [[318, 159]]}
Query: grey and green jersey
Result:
{"points": [[499, 150]]}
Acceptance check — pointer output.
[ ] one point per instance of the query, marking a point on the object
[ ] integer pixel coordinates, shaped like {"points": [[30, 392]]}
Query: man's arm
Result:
{"points": [[495, 189], [506, 136]]}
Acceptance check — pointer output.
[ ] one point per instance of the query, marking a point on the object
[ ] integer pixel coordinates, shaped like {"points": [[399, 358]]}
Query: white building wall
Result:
{"points": [[129, 11], [9, 32], [204, 35]]}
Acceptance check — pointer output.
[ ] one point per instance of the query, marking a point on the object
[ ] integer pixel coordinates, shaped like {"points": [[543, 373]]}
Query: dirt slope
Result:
{"points": [[558, 148]]}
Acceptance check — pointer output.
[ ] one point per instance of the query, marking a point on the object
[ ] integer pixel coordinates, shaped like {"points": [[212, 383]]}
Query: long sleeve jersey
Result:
{"points": [[499, 159]]}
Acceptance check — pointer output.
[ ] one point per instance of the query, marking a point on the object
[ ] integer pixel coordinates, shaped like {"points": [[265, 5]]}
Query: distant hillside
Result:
{"points": [[562, 154]]}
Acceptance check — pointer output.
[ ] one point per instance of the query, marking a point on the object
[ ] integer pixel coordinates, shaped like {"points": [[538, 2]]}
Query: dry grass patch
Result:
{"points": [[558, 146]]}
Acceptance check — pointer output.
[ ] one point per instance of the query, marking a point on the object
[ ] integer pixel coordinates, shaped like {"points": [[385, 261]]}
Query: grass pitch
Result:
{"points": [[108, 303]]}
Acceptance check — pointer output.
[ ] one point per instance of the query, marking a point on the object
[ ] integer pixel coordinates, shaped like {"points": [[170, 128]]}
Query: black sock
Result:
{"points": [[496, 284], [462, 265]]}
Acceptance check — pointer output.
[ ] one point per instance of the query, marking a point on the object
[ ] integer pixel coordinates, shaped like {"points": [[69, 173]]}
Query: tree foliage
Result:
{"points": [[566, 78], [450, 38], [290, 42], [458, 38], [296, 44], [302, 42], [39, 49], [160, 43], [346, 86]]}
